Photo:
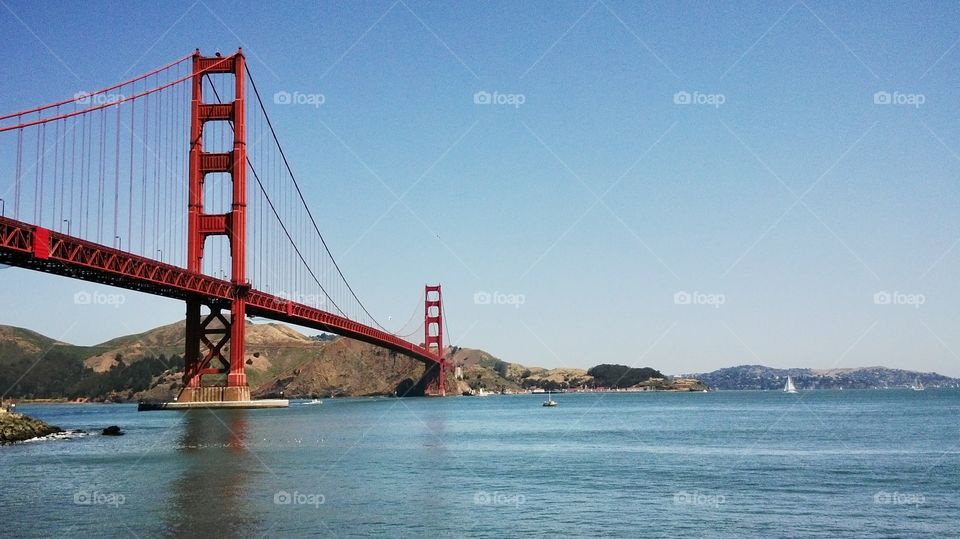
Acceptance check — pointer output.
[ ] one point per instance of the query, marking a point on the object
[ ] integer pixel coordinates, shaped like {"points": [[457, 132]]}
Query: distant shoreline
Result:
{"points": [[41, 402]]}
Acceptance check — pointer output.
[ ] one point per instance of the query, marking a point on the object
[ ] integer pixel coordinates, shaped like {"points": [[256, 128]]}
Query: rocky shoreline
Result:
{"points": [[18, 428]]}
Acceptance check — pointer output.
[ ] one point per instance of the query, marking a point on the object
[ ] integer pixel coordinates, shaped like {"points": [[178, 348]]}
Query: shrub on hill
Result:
{"points": [[619, 376]]}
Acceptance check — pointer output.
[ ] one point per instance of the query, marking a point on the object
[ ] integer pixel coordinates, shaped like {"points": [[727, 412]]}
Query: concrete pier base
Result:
{"points": [[214, 394], [179, 405], [210, 397]]}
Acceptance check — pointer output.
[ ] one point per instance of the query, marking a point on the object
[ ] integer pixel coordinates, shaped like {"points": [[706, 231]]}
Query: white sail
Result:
{"points": [[789, 388]]}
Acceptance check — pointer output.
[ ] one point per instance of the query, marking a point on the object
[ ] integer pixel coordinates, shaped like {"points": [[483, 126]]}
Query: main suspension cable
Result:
{"points": [[279, 220], [305, 205]]}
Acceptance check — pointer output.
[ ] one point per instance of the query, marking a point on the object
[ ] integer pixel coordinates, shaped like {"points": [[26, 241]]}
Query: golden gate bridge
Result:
{"points": [[163, 184]]}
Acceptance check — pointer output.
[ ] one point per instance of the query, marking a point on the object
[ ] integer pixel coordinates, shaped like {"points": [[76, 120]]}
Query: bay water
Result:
{"points": [[882, 463]]}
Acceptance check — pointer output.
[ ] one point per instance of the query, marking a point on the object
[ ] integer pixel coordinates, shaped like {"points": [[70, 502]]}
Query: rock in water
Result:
{"points": [[112, 430], [18, 427]]}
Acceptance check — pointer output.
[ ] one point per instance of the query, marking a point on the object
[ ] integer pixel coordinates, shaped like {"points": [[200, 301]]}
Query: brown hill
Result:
{"points": [[278, 358], [167, 340], [14, 340], [350, 368], [148, 366]]}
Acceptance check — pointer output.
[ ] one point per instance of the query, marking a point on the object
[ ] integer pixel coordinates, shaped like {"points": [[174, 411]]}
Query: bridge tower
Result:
{"points": [[208, 336], [433, 333]]}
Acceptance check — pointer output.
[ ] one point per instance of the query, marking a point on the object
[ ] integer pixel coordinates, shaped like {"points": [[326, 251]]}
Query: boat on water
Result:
{"points": [[314, 401], [917, 385], [789, 387], [550, 403]]}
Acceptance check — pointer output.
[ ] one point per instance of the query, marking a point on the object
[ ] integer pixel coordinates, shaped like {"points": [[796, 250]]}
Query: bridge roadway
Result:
{"points": [[28, 246]]}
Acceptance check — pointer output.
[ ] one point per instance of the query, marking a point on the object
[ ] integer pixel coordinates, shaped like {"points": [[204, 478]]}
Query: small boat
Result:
{"points": [[917, 385], [789, 388], [549, 402], [314, 401]]}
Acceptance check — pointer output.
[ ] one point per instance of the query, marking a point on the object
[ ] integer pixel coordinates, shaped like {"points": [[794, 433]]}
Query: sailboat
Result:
{"points": [[789, 388], [549, 402], [917, 385]]}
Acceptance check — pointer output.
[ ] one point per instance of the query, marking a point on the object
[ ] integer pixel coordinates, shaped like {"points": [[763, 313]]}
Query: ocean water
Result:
{"points": [[723, 464]]}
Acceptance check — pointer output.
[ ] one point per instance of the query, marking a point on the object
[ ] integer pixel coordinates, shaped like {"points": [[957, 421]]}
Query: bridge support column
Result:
{"points": [[237, 388], [201, 350], [191, 356], [207, 338], [433, 337]]}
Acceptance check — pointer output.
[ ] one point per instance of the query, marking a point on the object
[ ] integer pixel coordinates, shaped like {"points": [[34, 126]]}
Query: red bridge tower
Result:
{"points": [[433, 333], [208, 336]]}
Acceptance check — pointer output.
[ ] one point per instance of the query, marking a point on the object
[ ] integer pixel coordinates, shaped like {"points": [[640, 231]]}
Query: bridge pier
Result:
{"points": [[207, 339], [214, 394]]}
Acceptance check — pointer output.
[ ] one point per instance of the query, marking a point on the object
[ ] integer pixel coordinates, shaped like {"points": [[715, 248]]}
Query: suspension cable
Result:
{"points": [[277, 215], [98, 92], [105, 105], [418, 327], [303, 200]]}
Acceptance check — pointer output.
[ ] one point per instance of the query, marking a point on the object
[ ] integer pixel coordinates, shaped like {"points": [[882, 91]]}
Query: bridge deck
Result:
{"points": [[28, 246]]}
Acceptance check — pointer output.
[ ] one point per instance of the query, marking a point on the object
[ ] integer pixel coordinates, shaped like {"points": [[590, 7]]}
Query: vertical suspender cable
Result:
{"points": [[38, 166], [100, 180], [116, 182], [16, 191], [133, 119]]}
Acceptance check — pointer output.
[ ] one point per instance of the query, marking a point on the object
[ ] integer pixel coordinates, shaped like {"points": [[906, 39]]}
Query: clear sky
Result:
{"points": [[777, 202]]}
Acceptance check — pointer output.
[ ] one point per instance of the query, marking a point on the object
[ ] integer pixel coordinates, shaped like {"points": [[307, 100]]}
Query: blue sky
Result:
{"points": [[780, 201]]}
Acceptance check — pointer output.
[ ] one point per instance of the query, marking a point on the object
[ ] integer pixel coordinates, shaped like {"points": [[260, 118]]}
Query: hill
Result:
{"points": [[344, 367], [148, 366], [279, 361], [761, 377]]}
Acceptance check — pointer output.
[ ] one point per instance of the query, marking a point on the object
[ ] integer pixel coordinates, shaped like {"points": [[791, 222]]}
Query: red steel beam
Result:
{"points": [[80, 259]]}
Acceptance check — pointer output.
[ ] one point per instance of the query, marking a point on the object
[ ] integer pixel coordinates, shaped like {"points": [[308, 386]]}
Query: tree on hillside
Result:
{"points": [[619, 376]]}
